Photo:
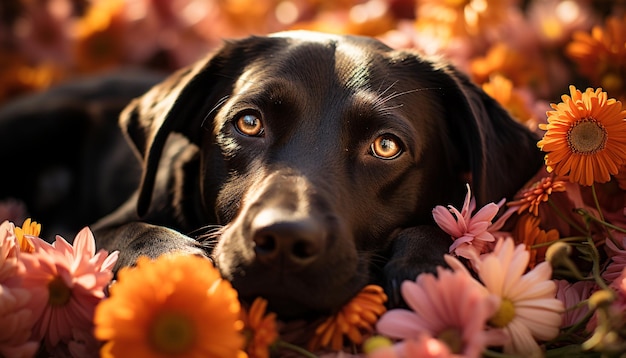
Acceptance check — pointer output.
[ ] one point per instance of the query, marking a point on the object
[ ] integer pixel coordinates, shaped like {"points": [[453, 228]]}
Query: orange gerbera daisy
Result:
{"points": [[260, 329], [355, 318], [464, 17], [538, 193], [528, 232], [507, 61], [29, 228], [585, 137], [100, 34], [176, 305], [601, 54], [501, 89]]}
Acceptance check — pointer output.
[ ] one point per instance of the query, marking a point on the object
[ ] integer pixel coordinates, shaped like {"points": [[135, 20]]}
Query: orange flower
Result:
{"points": [[501, 89], [176, 305], [29, 228], [355, 318], [601, 54], [464, 17], [261, 328], [502, 59], [586, 137], [17, 77], [100, 35], [527, 232], [538, 193]]}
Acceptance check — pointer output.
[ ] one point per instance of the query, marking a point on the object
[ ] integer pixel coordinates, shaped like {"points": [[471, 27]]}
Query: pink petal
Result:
{"points": [[486, 213], [85, 243], [399, 323], [446, 221]]}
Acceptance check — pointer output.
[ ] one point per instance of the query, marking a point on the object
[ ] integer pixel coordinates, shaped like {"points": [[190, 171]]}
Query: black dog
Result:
{"points": [[307, 165]]}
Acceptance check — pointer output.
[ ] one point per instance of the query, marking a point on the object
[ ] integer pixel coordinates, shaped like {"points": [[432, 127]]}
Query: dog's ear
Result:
{"points": [[501, 153], [182, 104], [148, 120]]}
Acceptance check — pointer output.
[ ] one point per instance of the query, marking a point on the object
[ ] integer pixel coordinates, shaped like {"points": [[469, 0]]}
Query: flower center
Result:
{"points": [[587, 136], [172, 333], [453, 339], [505, 314], [58, 292]]}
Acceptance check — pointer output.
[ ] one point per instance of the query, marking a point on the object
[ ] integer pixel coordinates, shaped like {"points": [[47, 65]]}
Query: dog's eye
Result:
{"points": [[386, 146], [250, 125]]}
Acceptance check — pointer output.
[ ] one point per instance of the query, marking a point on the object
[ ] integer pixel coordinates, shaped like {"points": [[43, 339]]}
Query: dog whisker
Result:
{"points": [[218, 105]]}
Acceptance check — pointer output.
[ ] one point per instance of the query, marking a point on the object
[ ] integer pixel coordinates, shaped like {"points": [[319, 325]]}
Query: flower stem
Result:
{"points": [[602, 222], [286, 345], [596, 202], [596, 264], [565, 239], [565, 218]]}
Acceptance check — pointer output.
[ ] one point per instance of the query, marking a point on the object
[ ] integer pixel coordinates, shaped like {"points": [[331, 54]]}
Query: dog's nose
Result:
{"points": [[282, 239]]}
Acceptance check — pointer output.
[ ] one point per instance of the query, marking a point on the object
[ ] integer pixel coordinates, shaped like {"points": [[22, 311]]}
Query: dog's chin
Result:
{"points": [[287, 308], [290, 306], [297, 297]]}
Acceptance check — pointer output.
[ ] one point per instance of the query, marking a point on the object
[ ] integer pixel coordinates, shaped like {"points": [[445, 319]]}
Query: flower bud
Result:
{"points": [[601, 298], [558, 253], [376, 342]]}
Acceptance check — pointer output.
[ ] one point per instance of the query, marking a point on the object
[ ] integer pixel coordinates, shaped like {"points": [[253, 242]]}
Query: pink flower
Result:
{"points": [[16, 322], [66, 281], [572, 295], [16, 319], [617, 255], [529, 310], [10, 267], [472, 235], [452, 307]]}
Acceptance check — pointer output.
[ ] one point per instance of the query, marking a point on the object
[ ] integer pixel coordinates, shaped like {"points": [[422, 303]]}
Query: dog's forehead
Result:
{"points": [[347, 60]]}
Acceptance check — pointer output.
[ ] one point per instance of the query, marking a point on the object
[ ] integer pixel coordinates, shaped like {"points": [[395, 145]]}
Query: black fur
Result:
{"points": [[304, 214]]}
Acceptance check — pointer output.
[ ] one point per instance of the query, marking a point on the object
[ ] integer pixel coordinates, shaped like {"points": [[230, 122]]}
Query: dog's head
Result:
{"points": [[315, 150]]}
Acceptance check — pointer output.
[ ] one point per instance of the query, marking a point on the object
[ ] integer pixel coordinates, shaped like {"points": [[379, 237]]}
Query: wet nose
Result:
{"points": [[283, 239]]}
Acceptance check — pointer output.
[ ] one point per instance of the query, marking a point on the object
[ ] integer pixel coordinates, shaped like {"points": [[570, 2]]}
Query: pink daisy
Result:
{"points": [[572, 295], [472, 234], [617, 255], [452, 307], [10, 267], [16, 319], [529, 310], [67, 282]]}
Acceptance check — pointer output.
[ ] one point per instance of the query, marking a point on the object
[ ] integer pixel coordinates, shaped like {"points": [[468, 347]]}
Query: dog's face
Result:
{"points": [[316, 150]]}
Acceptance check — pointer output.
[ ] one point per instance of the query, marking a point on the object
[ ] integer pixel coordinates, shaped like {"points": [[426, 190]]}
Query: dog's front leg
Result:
{"points": [[137, 239], [414, 251]]}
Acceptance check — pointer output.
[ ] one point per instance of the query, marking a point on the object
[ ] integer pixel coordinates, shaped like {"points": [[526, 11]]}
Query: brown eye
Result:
{"points": [[250, 125], [386, 147]]}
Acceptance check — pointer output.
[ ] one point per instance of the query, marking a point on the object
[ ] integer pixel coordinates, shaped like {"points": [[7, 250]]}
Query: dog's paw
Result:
{"points": [[415, 250]]}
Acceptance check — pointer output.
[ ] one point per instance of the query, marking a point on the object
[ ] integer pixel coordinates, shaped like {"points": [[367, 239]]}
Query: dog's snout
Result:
{"points": [[285, 240]]}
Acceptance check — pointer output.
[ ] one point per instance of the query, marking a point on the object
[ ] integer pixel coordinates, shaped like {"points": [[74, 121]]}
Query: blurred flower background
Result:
{"points": [[524, 53]]}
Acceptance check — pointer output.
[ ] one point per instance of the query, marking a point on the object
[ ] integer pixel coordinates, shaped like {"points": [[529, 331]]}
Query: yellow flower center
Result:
{"points": [[58, 292], [172, 333], [453, 339], [505, 314], [587, 136]]}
